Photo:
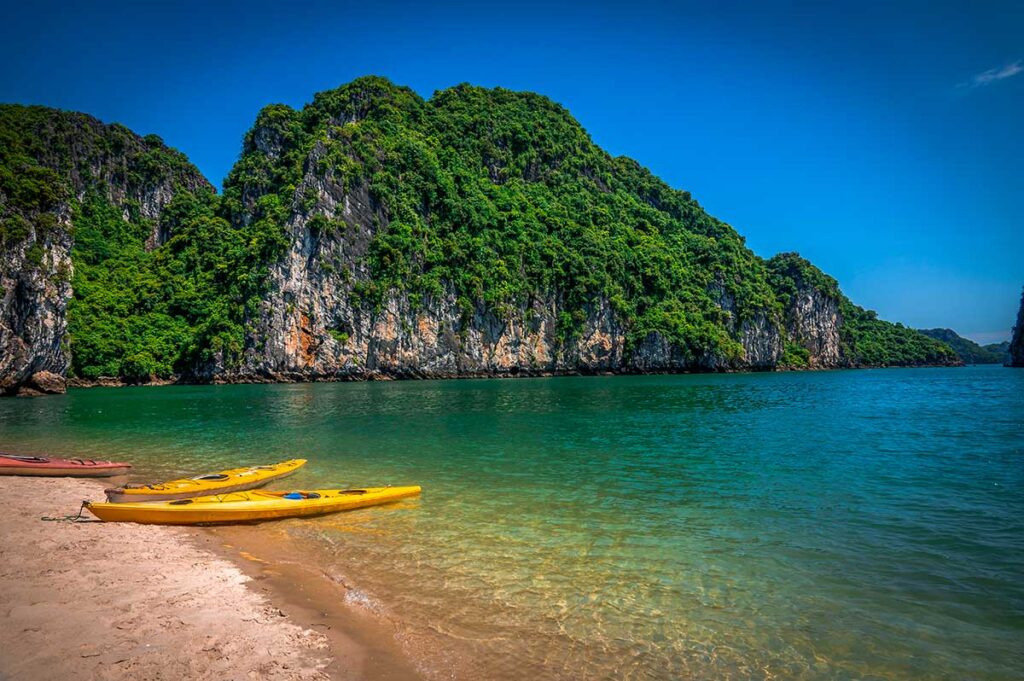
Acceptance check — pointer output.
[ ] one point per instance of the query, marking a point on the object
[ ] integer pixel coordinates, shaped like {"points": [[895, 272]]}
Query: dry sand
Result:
{"points": [[122, 601]]}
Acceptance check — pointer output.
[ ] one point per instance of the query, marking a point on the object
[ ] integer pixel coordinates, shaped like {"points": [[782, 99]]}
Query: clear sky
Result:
{"points": [[881, 141]]}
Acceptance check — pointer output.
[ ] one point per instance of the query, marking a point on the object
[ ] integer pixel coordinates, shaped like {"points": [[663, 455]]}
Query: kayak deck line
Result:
{"points": [[210, 477], [25, 458], [272, 495], [232, 480]]}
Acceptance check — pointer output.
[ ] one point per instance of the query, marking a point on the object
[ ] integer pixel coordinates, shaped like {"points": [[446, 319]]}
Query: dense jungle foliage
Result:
{"points": [[174, 309], [500, 196], [504, 196], [136, 312]]}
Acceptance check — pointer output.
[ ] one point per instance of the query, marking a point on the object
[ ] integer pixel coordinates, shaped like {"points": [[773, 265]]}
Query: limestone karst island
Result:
{"points": [[759, 289]]}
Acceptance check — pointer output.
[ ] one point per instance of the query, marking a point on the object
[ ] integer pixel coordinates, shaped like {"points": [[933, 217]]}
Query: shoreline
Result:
{"points": [[368, 632], [363, 646], [288, 378], [123, 601]]}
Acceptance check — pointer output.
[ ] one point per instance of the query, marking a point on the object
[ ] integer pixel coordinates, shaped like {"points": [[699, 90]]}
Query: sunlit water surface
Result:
{"points": [[862, 524]]}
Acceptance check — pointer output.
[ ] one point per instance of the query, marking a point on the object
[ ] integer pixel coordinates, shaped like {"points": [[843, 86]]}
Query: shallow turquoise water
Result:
{"points": [[860, 524]]}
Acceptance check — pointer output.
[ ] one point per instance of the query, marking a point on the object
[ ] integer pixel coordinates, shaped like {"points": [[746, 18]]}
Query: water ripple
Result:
{"points": [[796, 526]]}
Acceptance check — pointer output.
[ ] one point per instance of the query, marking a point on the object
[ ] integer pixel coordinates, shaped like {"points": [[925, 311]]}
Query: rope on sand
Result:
{"points": [[72, 518]]}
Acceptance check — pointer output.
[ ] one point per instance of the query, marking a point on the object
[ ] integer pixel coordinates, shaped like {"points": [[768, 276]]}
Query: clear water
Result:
{"points": [[861, 524]]}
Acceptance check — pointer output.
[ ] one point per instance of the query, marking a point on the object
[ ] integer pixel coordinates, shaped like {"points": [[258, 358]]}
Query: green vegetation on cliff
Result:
{"points": [[499, 197], [173, 309], [46, 156], [139, 309], [503, 196], [873, 342]]}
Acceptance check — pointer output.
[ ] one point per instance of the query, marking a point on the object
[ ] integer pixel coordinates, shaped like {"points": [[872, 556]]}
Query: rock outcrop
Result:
{"points": [[313, 324], [811, 302], [35, 285], [375, 234], [1017, 343], [317, 320], [51, 160]]}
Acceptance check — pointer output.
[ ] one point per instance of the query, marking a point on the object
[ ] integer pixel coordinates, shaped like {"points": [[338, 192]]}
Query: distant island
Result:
{"points": [[376, 234], [969, 351]]}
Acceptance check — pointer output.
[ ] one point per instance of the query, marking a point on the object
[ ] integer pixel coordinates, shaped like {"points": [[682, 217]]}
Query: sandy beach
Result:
{"points": [[121, 601]]}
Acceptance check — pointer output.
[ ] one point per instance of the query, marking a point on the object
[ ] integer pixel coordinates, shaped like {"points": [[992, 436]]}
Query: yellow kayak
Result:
{"points": [[240, 507], [234, 480]]}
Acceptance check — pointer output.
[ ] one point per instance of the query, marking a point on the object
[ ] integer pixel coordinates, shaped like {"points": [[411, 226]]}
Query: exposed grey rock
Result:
{"points": [[312, 325], [33, 306], [814, 321]]}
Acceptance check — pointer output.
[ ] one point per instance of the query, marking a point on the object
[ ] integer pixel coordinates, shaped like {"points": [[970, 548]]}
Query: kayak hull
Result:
{"points": [[247, 507], [12, 464], [235, 480], [70, 472]]}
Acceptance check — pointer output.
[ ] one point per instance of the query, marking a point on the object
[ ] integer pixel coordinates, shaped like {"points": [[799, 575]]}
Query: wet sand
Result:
{"points": [[364, 645], [121, 601]]}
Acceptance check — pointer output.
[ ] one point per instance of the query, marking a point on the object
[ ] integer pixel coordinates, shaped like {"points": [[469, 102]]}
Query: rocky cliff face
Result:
{"points": [[813, 320], [375, 234], [49, 161], [314, 324], [1017, 343], [316, 320], [370, 161], [34, 291], [812, 311]]}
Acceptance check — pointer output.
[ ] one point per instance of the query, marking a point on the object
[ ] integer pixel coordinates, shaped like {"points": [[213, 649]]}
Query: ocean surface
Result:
{"points": [[821, 525]]}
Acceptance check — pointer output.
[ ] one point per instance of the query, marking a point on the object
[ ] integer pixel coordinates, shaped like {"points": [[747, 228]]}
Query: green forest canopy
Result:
{"points": [[500, 195]]}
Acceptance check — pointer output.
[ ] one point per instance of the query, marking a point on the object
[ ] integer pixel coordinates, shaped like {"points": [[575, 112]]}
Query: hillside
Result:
{"points": [[59, 171], [1001, 349], [969, 351], [480, 232]]}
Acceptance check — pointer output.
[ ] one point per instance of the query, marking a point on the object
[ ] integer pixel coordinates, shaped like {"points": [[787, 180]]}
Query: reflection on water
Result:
{"points": [[817, 525]]}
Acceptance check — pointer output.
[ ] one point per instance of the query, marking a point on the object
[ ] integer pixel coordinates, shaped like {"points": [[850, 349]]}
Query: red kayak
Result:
{"points": [[14, 464]]}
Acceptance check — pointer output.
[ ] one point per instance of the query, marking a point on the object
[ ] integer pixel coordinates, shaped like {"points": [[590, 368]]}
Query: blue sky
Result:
{"points": [[882, 142]]}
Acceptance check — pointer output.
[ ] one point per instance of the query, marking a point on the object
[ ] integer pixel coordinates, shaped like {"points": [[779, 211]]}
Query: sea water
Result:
{"points": [[819, 525]]}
